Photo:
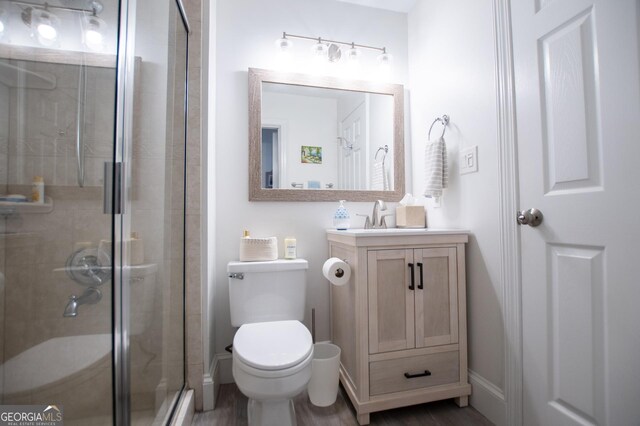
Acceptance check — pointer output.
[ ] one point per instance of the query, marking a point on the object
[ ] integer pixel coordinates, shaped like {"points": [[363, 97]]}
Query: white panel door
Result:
{"points": [[352, 160], [578, 118]]}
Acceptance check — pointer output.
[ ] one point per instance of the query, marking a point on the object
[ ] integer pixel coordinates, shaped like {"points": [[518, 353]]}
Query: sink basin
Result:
{"points": [[396, 231]]}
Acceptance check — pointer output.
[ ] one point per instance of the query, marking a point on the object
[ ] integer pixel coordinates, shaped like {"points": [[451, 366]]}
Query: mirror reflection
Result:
{"points": [[324, 138]]}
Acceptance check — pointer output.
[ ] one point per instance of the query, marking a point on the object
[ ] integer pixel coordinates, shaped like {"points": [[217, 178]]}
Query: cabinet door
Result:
{"points": [[391, 301], [436, 297]]}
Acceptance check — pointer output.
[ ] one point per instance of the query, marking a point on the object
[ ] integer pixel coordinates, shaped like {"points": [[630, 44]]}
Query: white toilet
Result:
{"points": [[272, 350]]}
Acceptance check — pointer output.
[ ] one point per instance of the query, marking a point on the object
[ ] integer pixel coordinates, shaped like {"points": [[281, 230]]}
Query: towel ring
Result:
{"points": [[382, 148], [444, 120]]}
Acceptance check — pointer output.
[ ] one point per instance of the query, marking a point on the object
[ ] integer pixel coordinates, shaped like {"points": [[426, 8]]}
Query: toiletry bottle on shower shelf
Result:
{"points": [[37, 190], [341, 218]]}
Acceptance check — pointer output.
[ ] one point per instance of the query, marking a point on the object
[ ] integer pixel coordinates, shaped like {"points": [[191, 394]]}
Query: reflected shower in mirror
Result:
{"points": [[317, 138], [323, 138]]}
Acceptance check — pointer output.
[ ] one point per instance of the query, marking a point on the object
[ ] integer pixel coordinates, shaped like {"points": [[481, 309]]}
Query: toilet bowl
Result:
{"points": [[271, 365]]}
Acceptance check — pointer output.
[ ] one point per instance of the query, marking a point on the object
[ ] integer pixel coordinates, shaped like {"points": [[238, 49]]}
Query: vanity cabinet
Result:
{"points": [[401, 318]]}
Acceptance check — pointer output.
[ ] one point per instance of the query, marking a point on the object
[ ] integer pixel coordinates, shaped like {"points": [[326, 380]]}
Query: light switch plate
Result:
{"points": [[469, 160]]}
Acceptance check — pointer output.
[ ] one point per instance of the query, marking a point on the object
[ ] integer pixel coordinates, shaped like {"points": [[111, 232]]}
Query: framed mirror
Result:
{"points": [[324, 138]]}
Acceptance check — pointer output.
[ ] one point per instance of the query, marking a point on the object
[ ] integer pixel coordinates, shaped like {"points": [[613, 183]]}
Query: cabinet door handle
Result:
{"points": [[413, 376], [412, 286], [421, 285]]}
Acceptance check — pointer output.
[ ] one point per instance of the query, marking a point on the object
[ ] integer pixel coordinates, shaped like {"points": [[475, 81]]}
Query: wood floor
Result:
{"points": [[231, 410]]}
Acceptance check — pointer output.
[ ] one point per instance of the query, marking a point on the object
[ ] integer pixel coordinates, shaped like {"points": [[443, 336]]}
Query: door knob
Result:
{"points": [[531, 217]]}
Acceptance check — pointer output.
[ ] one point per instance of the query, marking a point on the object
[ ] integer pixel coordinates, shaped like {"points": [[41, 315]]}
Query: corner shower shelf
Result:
{"points": [[10, 207]]}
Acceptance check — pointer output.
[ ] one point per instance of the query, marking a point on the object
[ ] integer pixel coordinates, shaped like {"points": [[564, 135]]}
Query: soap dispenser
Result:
{"points": [[341, 219]]}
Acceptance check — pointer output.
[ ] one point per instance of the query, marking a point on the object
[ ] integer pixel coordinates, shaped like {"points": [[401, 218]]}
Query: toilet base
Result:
{"points": [[271, 413]]}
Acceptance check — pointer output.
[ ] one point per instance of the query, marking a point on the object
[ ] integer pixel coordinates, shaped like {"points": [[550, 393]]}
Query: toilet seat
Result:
{"points": [[272, 346]]}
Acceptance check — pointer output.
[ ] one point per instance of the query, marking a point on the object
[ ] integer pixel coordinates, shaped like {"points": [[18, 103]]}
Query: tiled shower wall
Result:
{"points": [[41, 141]]}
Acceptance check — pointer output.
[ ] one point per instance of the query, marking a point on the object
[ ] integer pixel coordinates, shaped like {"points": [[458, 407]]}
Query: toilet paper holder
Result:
{"points": [[337, 271]]}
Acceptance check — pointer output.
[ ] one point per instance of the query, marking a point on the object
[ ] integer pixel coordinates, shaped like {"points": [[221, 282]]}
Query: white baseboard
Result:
{"points": [[211, 385], [488, 399]]}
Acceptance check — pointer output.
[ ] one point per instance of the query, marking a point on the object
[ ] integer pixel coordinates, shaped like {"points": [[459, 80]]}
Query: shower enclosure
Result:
{"points": [[93, 98]]}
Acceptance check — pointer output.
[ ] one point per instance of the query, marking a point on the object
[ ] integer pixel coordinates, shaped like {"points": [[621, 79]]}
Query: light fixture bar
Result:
{"points": [[53, 6], [344, 43]]}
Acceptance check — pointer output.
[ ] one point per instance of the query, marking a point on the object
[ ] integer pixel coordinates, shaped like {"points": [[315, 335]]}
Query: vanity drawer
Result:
{"points": [[424, 370]]}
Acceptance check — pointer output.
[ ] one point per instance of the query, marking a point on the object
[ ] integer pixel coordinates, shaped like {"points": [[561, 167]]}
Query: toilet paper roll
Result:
{"points": [[336, 271]]}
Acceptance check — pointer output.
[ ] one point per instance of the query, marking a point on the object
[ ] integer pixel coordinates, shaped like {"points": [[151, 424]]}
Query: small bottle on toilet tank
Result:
{"points": [[289, 248]]}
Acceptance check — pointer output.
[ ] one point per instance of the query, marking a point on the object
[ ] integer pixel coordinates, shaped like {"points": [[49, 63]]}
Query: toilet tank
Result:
{"points": [[268, 291]]}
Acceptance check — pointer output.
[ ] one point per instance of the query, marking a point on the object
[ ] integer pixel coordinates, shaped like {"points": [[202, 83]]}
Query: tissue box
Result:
{"points": [[410, 217]]}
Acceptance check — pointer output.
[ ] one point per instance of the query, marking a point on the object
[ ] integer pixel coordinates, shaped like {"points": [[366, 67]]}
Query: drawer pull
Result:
{"points": [[412, 286], [413, 376]]}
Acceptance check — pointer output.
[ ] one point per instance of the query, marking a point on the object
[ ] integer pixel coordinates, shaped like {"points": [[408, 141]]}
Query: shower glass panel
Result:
{"points": [[153, 220], [92, 302], [57, 121]]}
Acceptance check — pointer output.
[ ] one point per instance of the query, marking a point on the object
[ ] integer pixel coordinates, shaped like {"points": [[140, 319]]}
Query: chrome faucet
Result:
{"points": [[91, 296], [377, 220]]}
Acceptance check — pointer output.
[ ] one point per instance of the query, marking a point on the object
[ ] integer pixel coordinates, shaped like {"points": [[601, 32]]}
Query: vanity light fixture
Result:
{"points": [[332, 51], [45, 25]]}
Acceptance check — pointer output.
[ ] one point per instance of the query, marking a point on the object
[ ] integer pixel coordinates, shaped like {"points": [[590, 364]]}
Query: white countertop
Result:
{"points": [[397, 231]]}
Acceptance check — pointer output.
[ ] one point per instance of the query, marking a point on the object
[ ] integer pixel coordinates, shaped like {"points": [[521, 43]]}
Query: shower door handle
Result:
{"points": [[112, 183], [82, 93]]}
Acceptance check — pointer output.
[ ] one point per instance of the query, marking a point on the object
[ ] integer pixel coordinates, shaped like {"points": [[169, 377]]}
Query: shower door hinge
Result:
{"points": [[112, 185]]}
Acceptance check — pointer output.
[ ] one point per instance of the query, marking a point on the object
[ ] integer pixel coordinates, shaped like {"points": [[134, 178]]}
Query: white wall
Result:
{"points": [[452, 71], [310, 121], [246, 30]]}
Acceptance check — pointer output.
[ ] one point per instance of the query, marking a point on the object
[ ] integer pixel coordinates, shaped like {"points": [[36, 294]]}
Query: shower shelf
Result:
{"points": [[9, 207]]}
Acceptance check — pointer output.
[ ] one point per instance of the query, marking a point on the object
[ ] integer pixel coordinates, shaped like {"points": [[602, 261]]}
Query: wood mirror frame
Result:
{"points": [[257, 193]]}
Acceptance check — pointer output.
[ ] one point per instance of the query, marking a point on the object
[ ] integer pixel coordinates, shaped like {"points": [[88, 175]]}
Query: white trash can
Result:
{"points": [[323, 386]]}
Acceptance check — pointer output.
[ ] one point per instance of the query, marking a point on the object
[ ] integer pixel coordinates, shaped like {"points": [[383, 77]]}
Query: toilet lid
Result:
{"points": [[273, 345]]}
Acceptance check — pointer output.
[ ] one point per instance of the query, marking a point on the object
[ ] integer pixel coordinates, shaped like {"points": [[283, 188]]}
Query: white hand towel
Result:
{"points": [[437, 173], [379, 178]]}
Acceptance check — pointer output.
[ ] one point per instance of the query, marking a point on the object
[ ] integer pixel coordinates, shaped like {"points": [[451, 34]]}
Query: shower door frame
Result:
{"points": [[125, 88]]}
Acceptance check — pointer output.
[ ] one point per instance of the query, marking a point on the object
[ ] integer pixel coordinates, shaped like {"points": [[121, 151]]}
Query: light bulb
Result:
{"points": [[283, 44], [320, 49], [45, 25], [384, 64], [47, 32], [94, 29], [353, 55], [3, 15]]}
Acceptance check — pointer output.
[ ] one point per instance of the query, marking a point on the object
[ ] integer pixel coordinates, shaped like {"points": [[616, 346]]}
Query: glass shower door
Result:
{"points": [[152, 224], [57, 125]]}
